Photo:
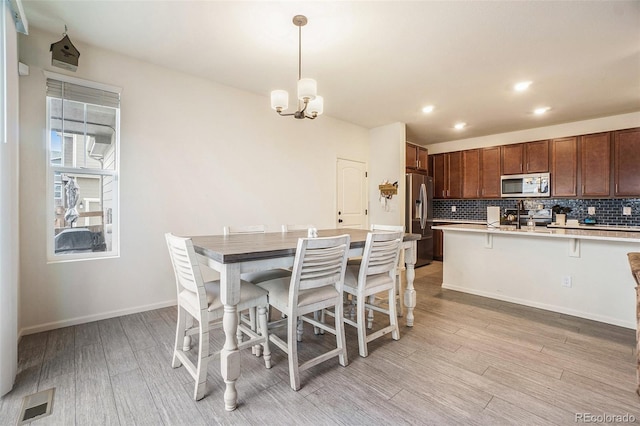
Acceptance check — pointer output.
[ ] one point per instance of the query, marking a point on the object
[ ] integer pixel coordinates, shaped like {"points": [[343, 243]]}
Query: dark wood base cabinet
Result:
{"points": [[438, 243]]}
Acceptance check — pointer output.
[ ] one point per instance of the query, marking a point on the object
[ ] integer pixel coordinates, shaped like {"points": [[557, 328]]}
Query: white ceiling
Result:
{"points": [[379, 62]]}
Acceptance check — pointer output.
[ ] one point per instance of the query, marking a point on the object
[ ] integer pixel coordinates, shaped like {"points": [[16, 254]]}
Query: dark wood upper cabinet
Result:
{"points": [[512, 159], [455, 174], [530, 157], [471, 173], [626, 163], [411, 155], [564, 167], [438, 173], [595, 165], [536, 156], [447, 175], [490, 172], [416, 158], [582, 166]]}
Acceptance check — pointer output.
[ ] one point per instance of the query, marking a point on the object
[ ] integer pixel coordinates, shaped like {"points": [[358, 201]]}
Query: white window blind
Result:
{"points": [[73, 92]]}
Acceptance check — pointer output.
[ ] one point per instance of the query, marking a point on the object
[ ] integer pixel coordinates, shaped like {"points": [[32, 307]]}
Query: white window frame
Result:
{"points": [[50, 176]]}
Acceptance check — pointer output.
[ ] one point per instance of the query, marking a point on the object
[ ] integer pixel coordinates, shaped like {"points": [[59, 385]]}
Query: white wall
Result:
{"points": [[387, 163], [623, 121], [9, 244], [195, 156]]}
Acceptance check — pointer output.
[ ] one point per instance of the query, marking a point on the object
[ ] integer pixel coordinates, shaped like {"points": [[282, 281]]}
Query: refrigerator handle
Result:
{"points": [[423, 206]]}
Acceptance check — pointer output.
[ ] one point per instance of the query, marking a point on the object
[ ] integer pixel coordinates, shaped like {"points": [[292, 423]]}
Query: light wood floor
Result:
{"points": [[467, 360]]}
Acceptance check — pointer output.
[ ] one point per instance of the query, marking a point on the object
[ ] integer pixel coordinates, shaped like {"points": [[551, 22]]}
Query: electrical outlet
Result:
{"points": [[626, 211], [453, 209], [591, 210], [566, 281]]}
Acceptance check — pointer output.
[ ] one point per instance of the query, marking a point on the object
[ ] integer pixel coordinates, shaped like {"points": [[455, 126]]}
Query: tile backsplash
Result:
{"points": [[608, 211]]}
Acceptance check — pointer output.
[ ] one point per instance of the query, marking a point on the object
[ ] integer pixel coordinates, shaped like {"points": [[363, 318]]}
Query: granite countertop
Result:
{"points": [[544, 232]]}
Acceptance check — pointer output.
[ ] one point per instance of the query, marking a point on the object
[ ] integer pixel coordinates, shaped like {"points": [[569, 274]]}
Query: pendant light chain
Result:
{"points": [[299, 52]]}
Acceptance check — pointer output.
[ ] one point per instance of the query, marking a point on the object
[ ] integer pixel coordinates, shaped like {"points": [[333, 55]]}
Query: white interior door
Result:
{"points": [[352, 195]]}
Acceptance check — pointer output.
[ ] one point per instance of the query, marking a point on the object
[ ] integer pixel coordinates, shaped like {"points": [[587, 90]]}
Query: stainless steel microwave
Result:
{"points": [[529, 185]]}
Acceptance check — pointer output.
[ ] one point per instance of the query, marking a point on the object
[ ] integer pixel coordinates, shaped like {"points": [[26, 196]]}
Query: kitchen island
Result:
{"points": [[578, 272]]}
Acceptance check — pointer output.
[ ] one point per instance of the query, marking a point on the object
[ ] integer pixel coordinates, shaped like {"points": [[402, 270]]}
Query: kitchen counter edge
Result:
{"points": [[542, 232]]}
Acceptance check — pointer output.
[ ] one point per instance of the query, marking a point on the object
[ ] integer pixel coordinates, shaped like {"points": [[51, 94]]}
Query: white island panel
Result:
{"points": [[529, 269]]}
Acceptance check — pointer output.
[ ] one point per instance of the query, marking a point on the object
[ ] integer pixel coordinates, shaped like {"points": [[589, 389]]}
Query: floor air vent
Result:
{"points": [[36, 406]]}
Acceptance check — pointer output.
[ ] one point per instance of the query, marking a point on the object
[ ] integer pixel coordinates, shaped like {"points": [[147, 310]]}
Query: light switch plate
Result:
{"points": [[453, 209], [626, 211], [591, 210]]}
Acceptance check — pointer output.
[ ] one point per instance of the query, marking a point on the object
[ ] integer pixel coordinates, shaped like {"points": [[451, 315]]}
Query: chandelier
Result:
{"points": [[310, 105]]}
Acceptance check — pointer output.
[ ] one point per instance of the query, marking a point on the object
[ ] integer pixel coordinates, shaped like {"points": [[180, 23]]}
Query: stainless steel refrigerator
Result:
{"points": [[419, 214]]}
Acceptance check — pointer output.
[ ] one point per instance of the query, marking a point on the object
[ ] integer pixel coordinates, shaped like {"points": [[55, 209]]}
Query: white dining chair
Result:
{"points": [[201, 302], [253, 277], [399, 269], [258, 276], [289, 228], [375, 274], [244, 229], [315, 284]]}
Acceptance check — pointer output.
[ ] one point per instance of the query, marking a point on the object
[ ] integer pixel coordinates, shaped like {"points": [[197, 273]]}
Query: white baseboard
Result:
{"points": [[547, 307], [90, 318]]}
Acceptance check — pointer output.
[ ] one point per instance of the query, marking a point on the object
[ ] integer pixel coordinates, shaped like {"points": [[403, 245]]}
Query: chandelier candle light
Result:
{"points": [[307, 87]]}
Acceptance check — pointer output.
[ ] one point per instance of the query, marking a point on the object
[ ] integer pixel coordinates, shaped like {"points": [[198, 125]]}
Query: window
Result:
{"points": [[83, 139]]}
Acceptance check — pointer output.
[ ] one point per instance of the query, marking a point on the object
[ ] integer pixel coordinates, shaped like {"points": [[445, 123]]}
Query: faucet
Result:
{"points": [[519, 206]]}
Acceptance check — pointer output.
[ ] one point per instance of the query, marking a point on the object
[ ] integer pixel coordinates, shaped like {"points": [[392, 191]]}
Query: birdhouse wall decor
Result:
{"points": [[64, 54]]}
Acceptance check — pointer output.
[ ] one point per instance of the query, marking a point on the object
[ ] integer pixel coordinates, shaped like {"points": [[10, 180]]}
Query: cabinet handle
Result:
{"points": [[443, 194], [527, 165], [616, 188], [520, 166], [583, 189]]}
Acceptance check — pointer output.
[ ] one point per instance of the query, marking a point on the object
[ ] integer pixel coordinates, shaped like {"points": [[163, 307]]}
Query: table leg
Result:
{"points": [[230, 356], [409, 292]]}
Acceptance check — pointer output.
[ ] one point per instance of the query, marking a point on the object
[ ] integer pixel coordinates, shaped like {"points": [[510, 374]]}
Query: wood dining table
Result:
{"points": [[232, 255]]}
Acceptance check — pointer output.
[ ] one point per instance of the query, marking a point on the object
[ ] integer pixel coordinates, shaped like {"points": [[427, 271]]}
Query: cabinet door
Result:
{"points": [[564, 167], [411, 157], [627, 163], [454, 172], [438, 246], [595, 164], [439, 184], [422, 158], [512, 156], [490, 172], [537, 156], [471, 173]]}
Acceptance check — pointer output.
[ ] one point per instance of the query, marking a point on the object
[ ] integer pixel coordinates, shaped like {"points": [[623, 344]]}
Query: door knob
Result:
{"points": [[339, 220]]}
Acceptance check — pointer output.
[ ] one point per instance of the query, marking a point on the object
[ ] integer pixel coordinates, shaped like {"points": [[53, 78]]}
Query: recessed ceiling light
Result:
{"points": [[522, 86], [427, 109], [459, 126], [541, 110]]}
